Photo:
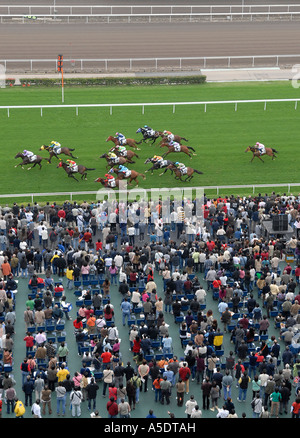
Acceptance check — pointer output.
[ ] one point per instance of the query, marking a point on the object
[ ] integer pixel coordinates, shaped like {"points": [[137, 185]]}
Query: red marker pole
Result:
{"points": [[60, 69]]}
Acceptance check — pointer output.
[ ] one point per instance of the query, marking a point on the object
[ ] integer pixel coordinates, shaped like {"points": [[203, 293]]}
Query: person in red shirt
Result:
{"points": [[112, 408], [106, 357], [136, 345], [185, 374], [99, 245], [61, 214], [210, 245], [77, 323], [29, 342]]}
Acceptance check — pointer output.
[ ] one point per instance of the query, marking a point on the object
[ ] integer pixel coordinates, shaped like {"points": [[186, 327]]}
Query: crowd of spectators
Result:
{"points": [[161, 265]]}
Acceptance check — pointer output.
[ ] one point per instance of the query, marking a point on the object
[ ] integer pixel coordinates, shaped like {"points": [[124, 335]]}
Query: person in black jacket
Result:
{"points": [[91, 390]]}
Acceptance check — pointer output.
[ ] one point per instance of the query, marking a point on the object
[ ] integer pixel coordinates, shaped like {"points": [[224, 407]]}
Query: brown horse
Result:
{"points": [[189, 172], [129, 142], [111, 162], [128, 153], [182, 148], [82, 170], [52, 153], [26, 160], [269, 151], [177, 138], [103, 181], [132, 177]]}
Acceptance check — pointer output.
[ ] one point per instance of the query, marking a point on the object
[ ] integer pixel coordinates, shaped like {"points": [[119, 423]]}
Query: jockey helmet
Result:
{"points": [[177, 162], [145, 126], [25, 151], [117, 133], [165, 132], [53, 142]]}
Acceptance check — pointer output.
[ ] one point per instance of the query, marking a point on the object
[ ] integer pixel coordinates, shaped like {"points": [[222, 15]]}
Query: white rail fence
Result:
{"points": [[149, 17], [145, 9], [135, 64], [154, 193], [173, 105]]}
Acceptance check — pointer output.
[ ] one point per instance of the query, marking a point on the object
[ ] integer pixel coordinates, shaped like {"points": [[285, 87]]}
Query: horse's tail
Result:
{"points": [[198, 171], [136, 155], [71, 149], [189, 147], [142, 175], [138, 142], [185, 139], [87, 168], [274, 150]]}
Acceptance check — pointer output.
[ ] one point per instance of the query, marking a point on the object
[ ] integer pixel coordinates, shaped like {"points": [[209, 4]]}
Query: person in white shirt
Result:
{"points": [[222, 413], [36, 409]]}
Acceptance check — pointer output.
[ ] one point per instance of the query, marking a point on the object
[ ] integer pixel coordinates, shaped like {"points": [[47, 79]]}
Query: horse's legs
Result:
{"points": [[70, 175]]}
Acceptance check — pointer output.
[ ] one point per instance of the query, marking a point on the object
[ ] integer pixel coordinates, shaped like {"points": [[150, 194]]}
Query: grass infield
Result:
{"points": [[220, 135]]}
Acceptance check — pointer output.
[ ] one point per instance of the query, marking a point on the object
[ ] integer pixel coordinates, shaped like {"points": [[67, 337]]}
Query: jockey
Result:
{"points": [[112, 156], [175, 145], [71, 164], [54, 144], [56, 147], [123, 169], [169, 135], [109, 179], [149, 131], [27, 154], [120, 137], [260, 147], [121, 150], [180, 166], [157, 159]]}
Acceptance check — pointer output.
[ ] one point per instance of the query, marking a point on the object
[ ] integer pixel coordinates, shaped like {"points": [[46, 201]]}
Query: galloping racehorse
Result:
{"points": [[176, 138], [256, 153], [147, 136], [158, 165], [82, 170], [129, 142], [55, 152], [189, 172], [36, 159], [177, 148], [120, 160], [132, 176], [103, 181], [128, 153]]}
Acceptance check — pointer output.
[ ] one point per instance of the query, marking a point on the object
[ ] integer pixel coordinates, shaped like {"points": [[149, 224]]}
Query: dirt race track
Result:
{"points": [[41, 41]]}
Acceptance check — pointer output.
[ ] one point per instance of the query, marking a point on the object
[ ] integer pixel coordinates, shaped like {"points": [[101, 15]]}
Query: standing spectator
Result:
{"points": [[124, 409], [75, 400], [190, 405], [165, 386], [46, 400], [91, 390], [243, 386], [112, 408], [28, 388], [61, 399], [143, 370], [275, 399]]}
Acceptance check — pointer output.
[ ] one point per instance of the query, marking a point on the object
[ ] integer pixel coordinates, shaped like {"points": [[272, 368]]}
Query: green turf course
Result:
{"points": [[220, 135]]}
